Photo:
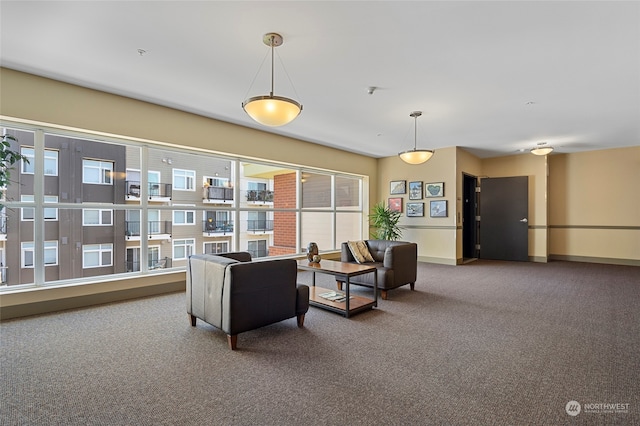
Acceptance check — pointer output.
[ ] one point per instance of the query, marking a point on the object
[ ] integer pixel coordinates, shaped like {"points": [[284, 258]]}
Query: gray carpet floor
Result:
{"points": [[487, 343]]}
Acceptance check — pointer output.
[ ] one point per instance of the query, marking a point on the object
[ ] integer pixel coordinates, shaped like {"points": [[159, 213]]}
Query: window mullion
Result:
{"points": [[144, 206], [38, 219]]}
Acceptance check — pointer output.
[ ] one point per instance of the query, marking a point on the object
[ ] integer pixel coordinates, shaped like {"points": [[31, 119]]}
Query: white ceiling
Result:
{"points": [[492, 77]]}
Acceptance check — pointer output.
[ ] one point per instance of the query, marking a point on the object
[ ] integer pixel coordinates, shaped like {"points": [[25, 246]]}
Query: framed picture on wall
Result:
{"points": [[415, 209], [398, 187], [395, 204], [438, 208], [415, 190], [435, 189]]}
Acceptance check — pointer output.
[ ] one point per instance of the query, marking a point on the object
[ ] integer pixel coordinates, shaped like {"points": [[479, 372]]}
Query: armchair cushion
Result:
{"points": [[360, 251]]}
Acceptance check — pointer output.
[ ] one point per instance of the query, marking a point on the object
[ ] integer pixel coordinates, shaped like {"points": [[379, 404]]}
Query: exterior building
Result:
{"points": [[124, 208], [77, 242]]}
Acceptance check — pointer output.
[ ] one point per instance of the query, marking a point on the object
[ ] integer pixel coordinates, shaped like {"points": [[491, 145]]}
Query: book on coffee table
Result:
{"points": [[334, 296]]}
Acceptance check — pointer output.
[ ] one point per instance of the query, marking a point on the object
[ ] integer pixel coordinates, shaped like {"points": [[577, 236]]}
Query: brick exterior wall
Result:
{"points": [[284, 223]]}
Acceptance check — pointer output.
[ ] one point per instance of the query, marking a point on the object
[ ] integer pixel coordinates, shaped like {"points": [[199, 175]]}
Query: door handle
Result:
{"points": [[524, 220]]}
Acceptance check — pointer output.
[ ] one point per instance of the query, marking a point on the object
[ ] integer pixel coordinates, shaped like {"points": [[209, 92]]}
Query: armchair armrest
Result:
{"points": [[403, 259], [345, 254]]}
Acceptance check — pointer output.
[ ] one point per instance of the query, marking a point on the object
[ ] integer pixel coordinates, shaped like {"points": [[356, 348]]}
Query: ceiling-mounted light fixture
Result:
{"points": [[415, 156], [271, 110], [542, 149]]}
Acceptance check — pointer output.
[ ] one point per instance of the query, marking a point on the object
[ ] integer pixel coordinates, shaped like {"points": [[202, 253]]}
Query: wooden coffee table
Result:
{"points": [[347, 304]]}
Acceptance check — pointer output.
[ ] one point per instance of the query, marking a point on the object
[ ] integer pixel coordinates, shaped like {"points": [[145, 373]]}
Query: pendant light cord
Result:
{"points": [[415, 132], [272, 52]]}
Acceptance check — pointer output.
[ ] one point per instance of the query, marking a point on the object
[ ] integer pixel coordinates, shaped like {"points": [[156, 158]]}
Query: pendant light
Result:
{"points": [[416, 156], [271, 110], [542, 149]]}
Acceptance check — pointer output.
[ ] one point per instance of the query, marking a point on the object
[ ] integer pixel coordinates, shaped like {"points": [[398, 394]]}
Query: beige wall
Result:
{"points": [[582, 207], [594, 205], [436, 237], [440, 239], [28, 97], [535, 168]]}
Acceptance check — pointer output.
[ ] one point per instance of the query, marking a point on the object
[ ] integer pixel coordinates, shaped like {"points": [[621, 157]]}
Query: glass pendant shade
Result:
{"points": [[416, 156], [542, 150], [272, 110]]}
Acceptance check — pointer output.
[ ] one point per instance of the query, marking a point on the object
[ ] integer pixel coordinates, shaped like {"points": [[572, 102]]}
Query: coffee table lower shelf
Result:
{"points": [[356, 303]]}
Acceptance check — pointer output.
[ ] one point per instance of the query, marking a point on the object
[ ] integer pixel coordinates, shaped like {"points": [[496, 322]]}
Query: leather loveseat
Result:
{"points": [[234, 294], [396, 263]]}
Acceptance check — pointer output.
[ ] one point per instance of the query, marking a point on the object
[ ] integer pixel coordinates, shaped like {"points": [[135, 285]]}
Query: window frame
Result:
{"points": [[53, 199], [205, 243], [190, 247], [53, 245], [100, 217], [100, 251], [101, 171], [190, 180], [186, 213]]}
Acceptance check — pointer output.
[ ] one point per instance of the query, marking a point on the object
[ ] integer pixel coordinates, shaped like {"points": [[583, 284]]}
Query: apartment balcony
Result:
{"points": [[157, 192], [214, 228], [157, 230], [162, 263], [259, 197], [260, 226], [217, 195]]}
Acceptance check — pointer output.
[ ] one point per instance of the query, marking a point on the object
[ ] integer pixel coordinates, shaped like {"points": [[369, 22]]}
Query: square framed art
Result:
{"points": [[398, 187], [415, 190], [434, 189], [415, 209], [438, 208], [395, 204]]}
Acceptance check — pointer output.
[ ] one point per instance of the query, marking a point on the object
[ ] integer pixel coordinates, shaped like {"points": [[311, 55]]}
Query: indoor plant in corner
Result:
{"points": [[385, 221]]}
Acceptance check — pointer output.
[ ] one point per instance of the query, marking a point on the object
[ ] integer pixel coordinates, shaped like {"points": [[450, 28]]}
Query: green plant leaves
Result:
{"points": [[385, 221]]}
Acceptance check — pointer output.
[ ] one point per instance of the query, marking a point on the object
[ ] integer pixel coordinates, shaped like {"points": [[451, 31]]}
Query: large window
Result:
{"points": [[123, 207]]}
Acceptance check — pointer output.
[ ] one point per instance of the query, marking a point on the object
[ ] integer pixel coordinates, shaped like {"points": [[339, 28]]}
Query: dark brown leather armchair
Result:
{"points": [[234, 294], [396, 263]]}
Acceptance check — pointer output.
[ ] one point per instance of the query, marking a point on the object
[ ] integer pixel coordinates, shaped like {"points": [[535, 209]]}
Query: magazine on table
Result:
{"points": [[334, 296]]}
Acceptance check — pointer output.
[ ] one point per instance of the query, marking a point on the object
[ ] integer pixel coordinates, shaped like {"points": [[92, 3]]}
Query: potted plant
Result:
{"points": [[385, 221]]}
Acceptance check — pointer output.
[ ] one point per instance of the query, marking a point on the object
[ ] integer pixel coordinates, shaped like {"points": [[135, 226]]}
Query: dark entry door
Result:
{"points": [[469, 213], [504, 228]]}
